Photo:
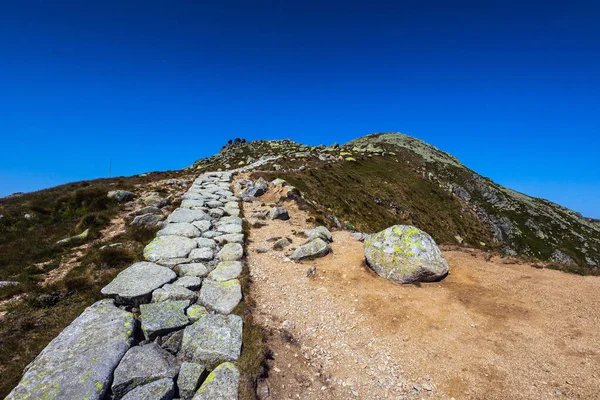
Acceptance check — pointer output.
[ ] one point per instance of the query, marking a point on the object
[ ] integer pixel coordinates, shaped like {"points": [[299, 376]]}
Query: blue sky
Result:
{"points": [[510, 88]]}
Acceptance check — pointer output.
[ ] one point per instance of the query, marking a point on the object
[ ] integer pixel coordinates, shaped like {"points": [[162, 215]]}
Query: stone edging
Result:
{"points": [[166, 326]]}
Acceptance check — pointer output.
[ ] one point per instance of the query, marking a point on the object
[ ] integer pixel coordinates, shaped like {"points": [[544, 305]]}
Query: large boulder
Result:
{"points": [[135, 284], [404, 254], [221, 384], [168, 247], [79, 362], [313, 249], [142, 365], [213, 339]]}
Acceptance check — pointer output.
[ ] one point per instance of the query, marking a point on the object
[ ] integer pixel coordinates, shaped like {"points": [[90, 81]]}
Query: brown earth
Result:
{"points": [[490, 330]]}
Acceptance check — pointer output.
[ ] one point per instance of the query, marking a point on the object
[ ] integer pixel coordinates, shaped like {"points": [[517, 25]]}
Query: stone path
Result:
{"points": [[166, 327]]}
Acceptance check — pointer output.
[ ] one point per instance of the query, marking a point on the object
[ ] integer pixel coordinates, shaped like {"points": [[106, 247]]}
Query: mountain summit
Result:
{"points": [[384, 179]]}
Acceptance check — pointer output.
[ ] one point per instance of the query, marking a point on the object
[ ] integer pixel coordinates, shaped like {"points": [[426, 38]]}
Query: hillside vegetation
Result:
{"points": [[379, 180]]}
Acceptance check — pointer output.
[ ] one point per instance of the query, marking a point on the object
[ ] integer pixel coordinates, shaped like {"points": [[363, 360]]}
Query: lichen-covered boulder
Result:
{"points": [[162, 389], [189, 282], [79, 362], [191, 269], [225, 271], [158, 319], [173, 292], [220, 384], [313, 249], [231, 252], [142, 365], [195, 312], [213, 339], [189, 379], [319, 232], [404, 254], [222, 297], [168, 247], [135, 284]]}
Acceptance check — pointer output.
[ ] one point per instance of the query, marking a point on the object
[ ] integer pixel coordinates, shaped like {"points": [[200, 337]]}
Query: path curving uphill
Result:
{"points": [[166, 326]]}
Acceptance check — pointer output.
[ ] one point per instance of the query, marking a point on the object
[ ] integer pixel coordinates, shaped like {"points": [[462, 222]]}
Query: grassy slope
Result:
{"points": [[43, 312]]}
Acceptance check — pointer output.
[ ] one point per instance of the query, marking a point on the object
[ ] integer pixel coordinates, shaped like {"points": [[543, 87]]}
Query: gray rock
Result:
{"points": [[79, 362], [202, 254], [319, 232], [221, 297], [121, 195], [192, 269], [166, 247], [192, 203], [189, 378], [405, 254], [281, 244], [195, 312], [8, 283], [213, 339], [162, 389], [158, 319], [173, 292], [153, 199], [360, 236], [279, 213], [221, 384], [203, 226], [145, 210], [259, 188], [560, 257], [142, 365], [214, 204], [313, 249], [226, 270], [230, 220], [206, 242], [135, 284], [230, 238], [231, 252], [179, 229], [230, 228], [187, 215], [234, 212], [189, 282], [147, 220], [173, 342]]}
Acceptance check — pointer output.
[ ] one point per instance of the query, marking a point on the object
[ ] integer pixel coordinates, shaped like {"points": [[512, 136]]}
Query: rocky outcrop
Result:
{"points": [[405, 254]]}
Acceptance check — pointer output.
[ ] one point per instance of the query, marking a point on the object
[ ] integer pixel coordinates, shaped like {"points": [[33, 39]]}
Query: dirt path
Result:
{"points": [[488, 331]]}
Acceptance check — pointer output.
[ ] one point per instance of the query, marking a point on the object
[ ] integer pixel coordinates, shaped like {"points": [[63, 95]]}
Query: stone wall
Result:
{"points": [[165, 328]]}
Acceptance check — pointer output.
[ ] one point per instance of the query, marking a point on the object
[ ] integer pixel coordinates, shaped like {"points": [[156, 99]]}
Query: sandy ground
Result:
{"points": [[490, 330]]}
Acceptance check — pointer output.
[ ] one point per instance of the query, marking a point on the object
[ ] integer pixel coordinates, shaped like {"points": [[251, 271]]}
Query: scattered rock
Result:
{"points": [[121, 195], [222, 297], [319, 232], [279, 213], [259, 188], [314, 249], [405, 254], [222, 383], [311, 272], [142, 365], [135, 284], [213, 339], [281, 244], [153, 199], [82, 236], [63, 370], [147, 220]]}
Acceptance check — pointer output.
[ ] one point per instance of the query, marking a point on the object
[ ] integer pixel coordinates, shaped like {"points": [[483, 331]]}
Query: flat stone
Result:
{"points": [[202, 254], [187, 215], [173, 292], [195, 312], [213, 339], [189, 378], [231, 252], [222, 383], [313, 249], [226, 270], [79, 362], [189, 282], [166, 247], [231, 220], [203, 226], [222, 297], [206, 242], [211, 234], [135, 284], [230, 238], [230, 228], [192, 203], [192, 269], [179, 229], [158, 319], [142, 365], [214, 204], [216, 212], [162, 389], [234, 212]]}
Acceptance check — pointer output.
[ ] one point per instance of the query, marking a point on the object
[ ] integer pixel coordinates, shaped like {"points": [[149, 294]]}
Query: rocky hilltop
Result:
{"points": [[380, 180]]}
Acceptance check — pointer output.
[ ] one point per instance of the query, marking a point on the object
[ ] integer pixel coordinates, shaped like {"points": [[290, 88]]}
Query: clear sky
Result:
{"points": [[511, 88]]}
